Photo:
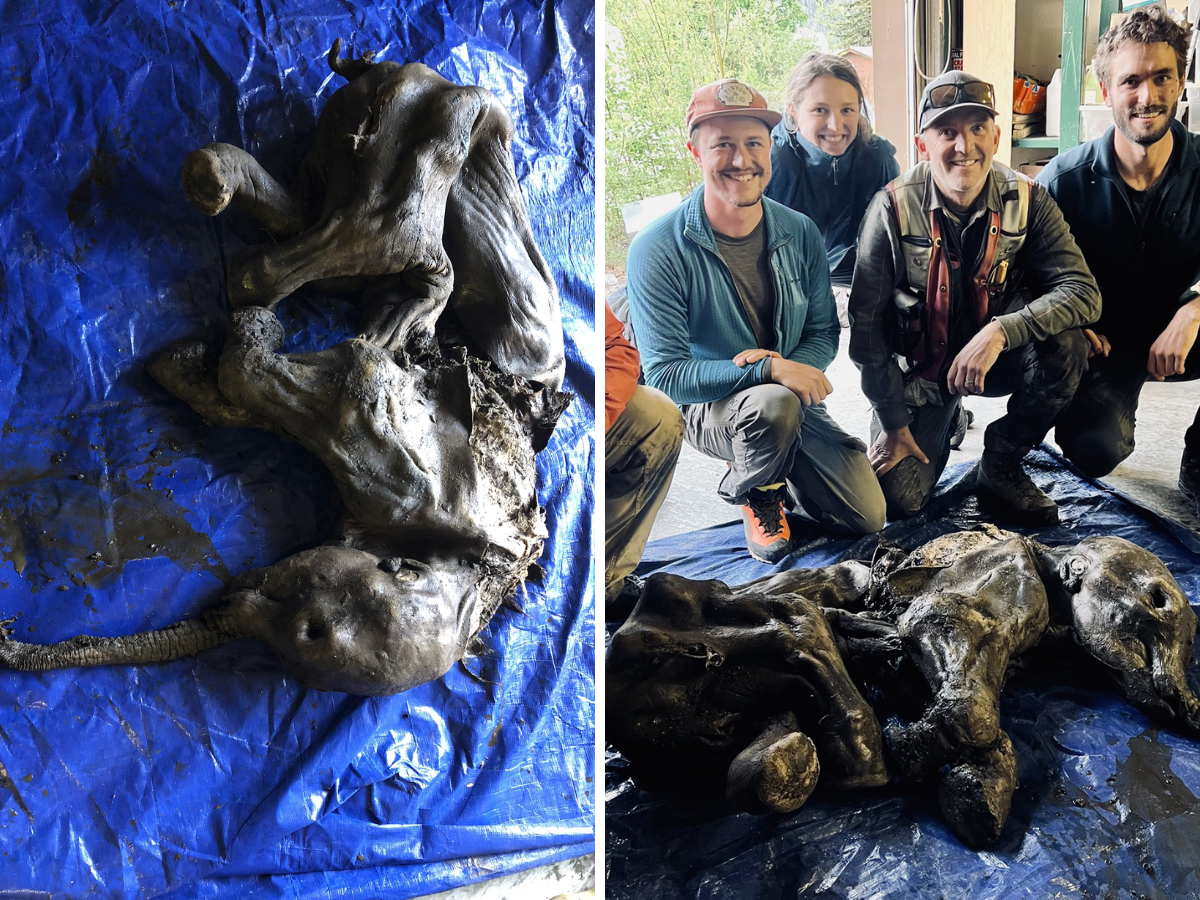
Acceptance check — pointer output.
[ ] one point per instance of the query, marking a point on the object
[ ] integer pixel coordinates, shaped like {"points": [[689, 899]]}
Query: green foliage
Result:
{"points": [[659, 51], [846, 22]]}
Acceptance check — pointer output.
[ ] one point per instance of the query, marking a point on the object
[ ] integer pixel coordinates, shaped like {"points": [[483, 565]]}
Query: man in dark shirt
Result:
{"points": [[1132, 199], [967, 282]]}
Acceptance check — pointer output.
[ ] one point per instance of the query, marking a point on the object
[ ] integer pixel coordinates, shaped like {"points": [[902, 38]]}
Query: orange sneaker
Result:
{"points": [[768, 537]]}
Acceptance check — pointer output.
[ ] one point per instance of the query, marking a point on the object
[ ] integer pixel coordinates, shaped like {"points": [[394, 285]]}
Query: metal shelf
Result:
{"points": [[1038, 140]]}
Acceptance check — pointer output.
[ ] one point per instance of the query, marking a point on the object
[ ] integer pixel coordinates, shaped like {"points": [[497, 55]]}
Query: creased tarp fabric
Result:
{"points": [[1107, 804], [120, 511]]}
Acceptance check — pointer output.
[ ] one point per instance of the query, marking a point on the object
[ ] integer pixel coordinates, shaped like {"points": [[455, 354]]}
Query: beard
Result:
{"points": [[1124, 122], [742, 196]]}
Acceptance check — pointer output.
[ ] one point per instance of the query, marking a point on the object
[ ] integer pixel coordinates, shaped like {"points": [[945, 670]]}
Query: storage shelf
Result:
{"points": [[1037, 140]]}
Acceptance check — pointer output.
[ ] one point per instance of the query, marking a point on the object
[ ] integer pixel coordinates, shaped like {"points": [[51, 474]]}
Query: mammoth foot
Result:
{"points": [[976, 795], [217, 175], [918, 750], [209, 187], [777, 772]]}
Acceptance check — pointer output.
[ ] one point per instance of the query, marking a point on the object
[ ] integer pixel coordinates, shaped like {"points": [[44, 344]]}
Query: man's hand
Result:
{"points": [[1170, 350], [750, 357], [1099, 343], [806, 382], [891, 447], [975, 360]]}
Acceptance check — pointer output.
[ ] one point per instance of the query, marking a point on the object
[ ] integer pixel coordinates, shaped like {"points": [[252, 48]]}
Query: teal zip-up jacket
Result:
{"points": [[687, 315]]}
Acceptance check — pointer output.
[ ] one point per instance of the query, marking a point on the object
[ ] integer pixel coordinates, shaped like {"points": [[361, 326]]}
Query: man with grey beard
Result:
{"points": [[1132, 200]]}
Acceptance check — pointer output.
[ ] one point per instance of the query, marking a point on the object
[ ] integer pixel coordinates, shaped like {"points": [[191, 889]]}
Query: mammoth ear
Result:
{"points": [[1071, 571], [404, 569]]}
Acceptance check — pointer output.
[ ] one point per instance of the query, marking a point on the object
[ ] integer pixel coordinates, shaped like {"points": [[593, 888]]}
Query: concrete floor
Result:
{"points": [[1148, 476]]}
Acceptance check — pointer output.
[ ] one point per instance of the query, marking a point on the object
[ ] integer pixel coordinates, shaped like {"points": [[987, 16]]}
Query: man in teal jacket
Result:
{"points": [[735, 319], [1132, 199]]}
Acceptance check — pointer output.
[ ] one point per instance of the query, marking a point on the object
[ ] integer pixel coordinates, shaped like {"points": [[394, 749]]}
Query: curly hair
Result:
{"points": [[1151, 25], [814, 65]]}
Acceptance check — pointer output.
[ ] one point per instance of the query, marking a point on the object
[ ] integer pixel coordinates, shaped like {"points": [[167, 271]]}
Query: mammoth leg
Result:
{"points": [[504, 294], [400, 311], [262, 275], [219, 174], [296, 394], [777, 772], [849, 740], [188, 370], [919, 749], [963, 656], [976, 795]]}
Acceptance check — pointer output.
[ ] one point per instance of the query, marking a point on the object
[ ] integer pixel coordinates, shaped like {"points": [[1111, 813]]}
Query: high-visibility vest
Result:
{"points": [[923, 306]]}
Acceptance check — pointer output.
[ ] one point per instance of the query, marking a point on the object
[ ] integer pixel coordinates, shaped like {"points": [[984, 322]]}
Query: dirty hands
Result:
{"points": [[975, 360], [806, 382], [891, 447], [1169, 351], [1098, 344]]}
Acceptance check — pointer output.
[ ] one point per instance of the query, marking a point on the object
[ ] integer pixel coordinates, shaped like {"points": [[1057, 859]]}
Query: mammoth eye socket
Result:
{"points": [[314, 631], [1159, 596]]}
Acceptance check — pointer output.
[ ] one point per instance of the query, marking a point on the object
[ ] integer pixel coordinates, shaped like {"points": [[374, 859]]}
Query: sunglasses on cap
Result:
{"points": [[947, 95]]}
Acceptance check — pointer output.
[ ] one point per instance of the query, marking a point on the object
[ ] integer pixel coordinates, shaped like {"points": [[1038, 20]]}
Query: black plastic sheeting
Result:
{"points": [[1108, 804], [120, 511]]}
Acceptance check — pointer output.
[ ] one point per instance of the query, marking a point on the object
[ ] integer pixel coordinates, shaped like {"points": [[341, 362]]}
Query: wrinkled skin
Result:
{"points": [[969, 604], [408, 196], [1125, 609], [434, 462], [704, 681]]}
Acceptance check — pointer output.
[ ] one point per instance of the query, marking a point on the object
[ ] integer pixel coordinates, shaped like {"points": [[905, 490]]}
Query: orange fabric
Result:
{"points": [[621, 365]]}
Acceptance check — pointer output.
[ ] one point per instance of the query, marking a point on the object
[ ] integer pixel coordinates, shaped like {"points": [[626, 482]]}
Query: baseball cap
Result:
{"points": [[728, 97], [955, 90]]}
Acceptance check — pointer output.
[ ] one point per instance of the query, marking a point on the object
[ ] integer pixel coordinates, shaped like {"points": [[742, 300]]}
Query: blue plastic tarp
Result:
{"points": [[120, 511], [1108, 804]]}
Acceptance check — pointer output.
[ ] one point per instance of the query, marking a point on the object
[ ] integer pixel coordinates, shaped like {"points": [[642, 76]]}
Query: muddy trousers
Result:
{"points": [[1096, 430], [1040, 377], [768, 437], [640, 451]]}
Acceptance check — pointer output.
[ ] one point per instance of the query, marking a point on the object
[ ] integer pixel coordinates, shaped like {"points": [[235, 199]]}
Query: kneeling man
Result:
{"points": [[1132, 198], [735, 320], [967, 282]]}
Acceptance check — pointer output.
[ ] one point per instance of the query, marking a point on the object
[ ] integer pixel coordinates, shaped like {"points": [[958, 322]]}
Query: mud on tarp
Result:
{"points": [[1108, 804], [120, 511]]}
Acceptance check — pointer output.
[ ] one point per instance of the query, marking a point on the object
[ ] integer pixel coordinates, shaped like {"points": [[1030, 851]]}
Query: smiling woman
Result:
{"points": [[827, 163]]}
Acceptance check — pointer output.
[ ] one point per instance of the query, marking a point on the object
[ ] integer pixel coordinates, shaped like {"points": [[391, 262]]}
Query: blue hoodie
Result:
{"points": [[833, 191]]}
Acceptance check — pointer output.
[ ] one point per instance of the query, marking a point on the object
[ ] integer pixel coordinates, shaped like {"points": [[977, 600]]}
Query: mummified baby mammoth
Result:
{"points": [[434, 462], [408, 195], [730, 676]]}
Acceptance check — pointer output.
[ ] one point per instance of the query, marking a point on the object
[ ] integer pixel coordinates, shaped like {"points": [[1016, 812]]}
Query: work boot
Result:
{"points": [[1189, 474], [961, 423], [768, 537], [1006, 487], [619, 606]]}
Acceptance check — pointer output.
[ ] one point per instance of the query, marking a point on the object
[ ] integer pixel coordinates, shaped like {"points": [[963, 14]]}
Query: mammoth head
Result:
{"points": [[1130, 614], [344, 620]]}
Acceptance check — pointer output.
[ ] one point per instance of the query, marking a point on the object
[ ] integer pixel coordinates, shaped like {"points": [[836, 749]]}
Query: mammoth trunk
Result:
{"points": [[173, 642]]}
